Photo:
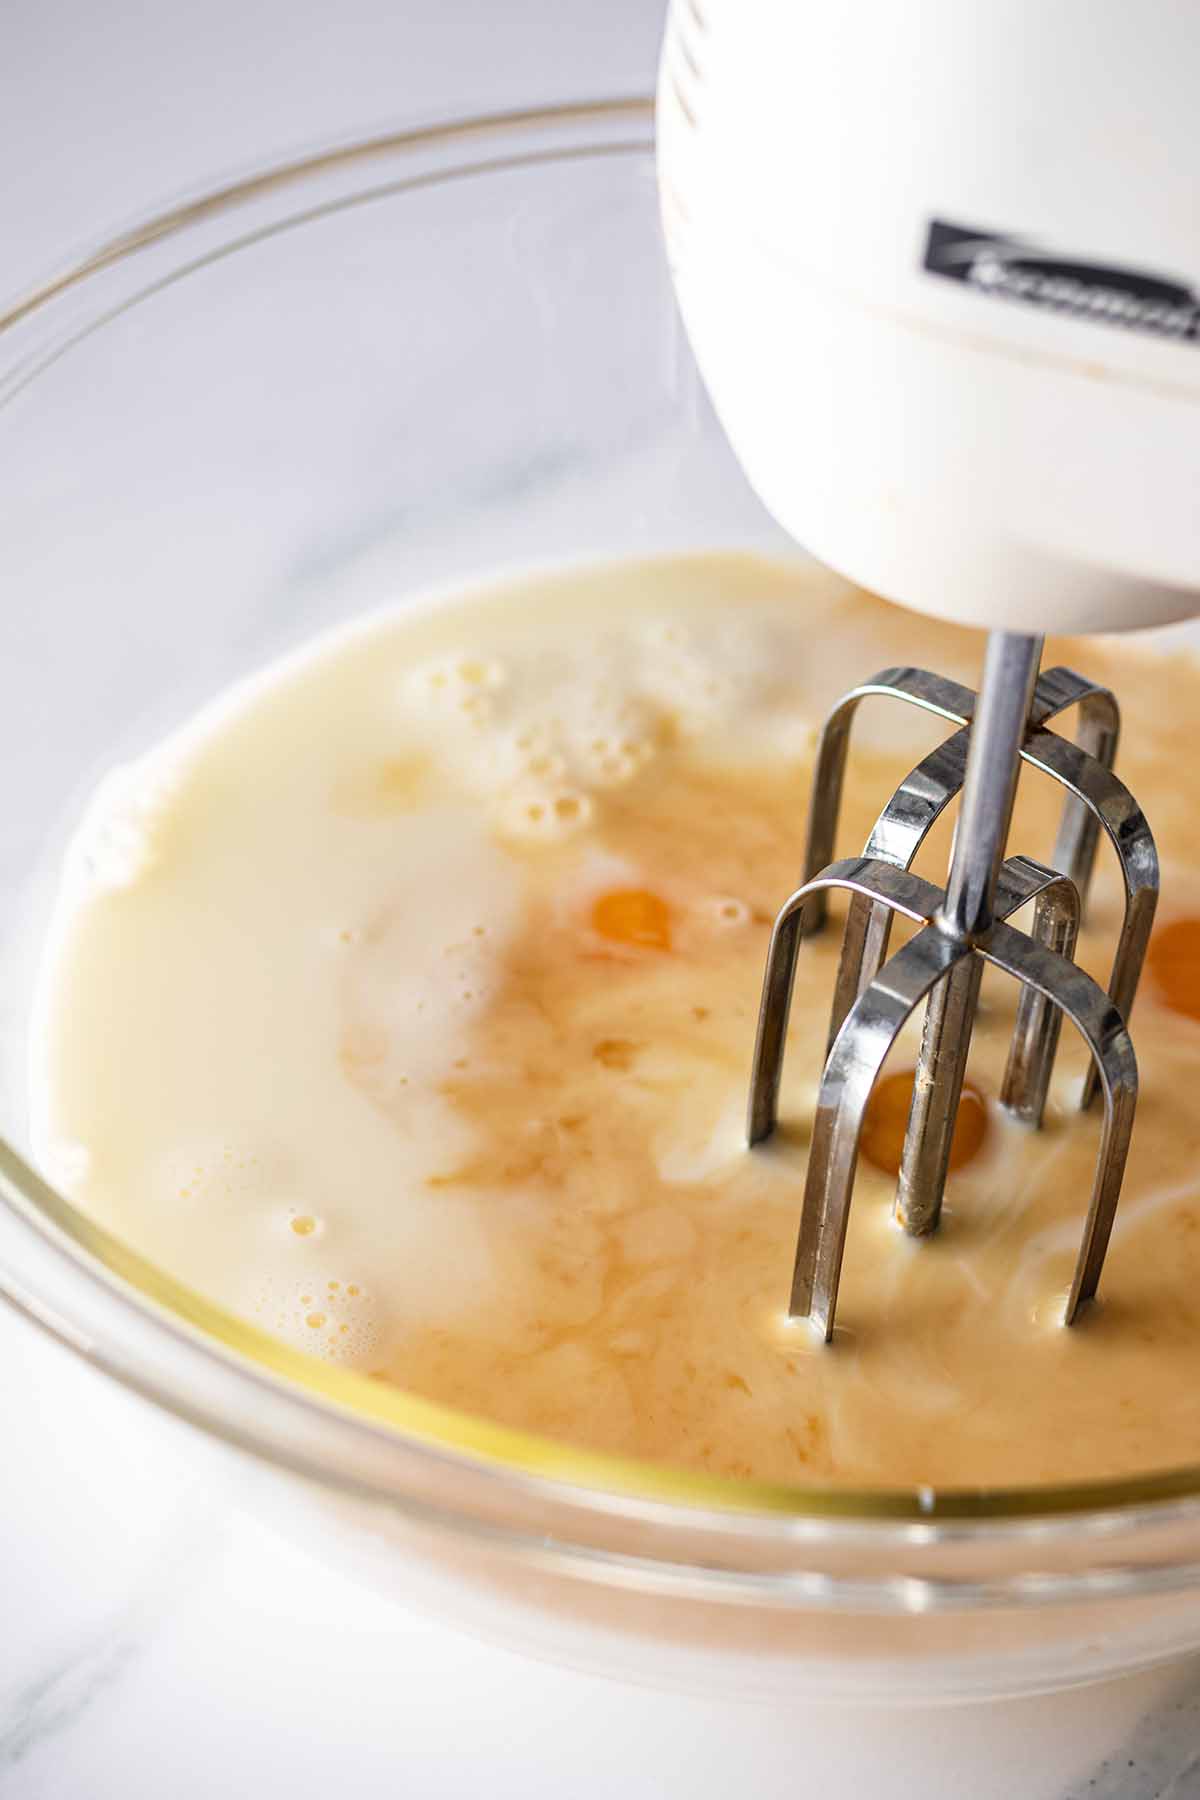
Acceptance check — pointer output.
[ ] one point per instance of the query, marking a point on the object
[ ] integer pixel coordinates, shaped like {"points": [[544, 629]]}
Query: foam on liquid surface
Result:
{"points": [[406, 1010]]}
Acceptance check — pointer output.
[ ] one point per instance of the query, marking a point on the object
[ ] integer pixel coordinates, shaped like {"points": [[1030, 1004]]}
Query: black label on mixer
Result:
{"points": [[1072, 286]]}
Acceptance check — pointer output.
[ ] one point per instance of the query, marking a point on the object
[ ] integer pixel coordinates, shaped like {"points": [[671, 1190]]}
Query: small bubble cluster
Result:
{"points": [[328, 1317], [612, 735], [544, 813], [470, 976], [547, 735], [222, 1178], [457, 687], [117, 843]]}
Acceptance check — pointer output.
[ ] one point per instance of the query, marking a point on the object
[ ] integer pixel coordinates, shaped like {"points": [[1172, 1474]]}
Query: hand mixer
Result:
{"points": [[936, 261]]}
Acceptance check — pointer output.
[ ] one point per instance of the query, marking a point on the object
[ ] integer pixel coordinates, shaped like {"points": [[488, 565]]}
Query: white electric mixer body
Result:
{"points": [[940, 266]]}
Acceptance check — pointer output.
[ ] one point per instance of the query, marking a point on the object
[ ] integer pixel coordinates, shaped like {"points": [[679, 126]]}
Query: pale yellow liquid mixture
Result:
{"points": [[404, 1006]]}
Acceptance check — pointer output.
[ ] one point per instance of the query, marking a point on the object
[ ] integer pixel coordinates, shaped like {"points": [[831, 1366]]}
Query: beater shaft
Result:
{"points": [[1001, 719], [1010, 668]]}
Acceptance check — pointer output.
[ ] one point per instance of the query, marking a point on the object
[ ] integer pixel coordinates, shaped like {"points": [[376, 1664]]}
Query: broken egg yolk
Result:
{"points": [[886, 1122], [633, 916], [1174, 963]]}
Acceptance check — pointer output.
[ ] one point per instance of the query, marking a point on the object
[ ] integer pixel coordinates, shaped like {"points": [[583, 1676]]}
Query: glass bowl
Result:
{"points": [[410, 360]]}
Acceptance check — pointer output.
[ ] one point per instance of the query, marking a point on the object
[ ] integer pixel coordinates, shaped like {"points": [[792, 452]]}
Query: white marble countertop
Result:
{"points": [[156, 1639]]}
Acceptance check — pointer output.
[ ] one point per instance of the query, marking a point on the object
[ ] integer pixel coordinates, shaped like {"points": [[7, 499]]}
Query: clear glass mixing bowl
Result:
{"points": [[405, 361]]}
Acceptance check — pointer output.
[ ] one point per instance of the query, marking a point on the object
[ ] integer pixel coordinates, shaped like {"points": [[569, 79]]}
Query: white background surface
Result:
{"points": [[153, 1639]]}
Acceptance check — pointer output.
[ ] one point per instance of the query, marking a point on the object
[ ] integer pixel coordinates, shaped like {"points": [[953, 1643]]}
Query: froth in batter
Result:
{"points": [[406, 1006]]}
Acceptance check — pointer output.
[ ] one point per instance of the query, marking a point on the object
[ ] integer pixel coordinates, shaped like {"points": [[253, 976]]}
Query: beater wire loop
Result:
{"points": [[875, 995]]}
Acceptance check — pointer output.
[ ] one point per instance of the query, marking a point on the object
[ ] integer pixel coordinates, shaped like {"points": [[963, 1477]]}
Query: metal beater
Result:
{"points": [[962, 927], [939, 268]]}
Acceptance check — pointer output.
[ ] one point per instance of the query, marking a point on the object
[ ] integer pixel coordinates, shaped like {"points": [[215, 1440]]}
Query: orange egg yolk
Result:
{"points": [[886, 1121], [1174, 963], [633, 916]]}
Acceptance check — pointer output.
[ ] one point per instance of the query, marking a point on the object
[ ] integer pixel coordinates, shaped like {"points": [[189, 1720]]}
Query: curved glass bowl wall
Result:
{"points": [[406, 362]]}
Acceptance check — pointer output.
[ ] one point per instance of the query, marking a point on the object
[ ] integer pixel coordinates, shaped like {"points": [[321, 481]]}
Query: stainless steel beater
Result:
{"points": [[962, 927], [963, 376]]}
